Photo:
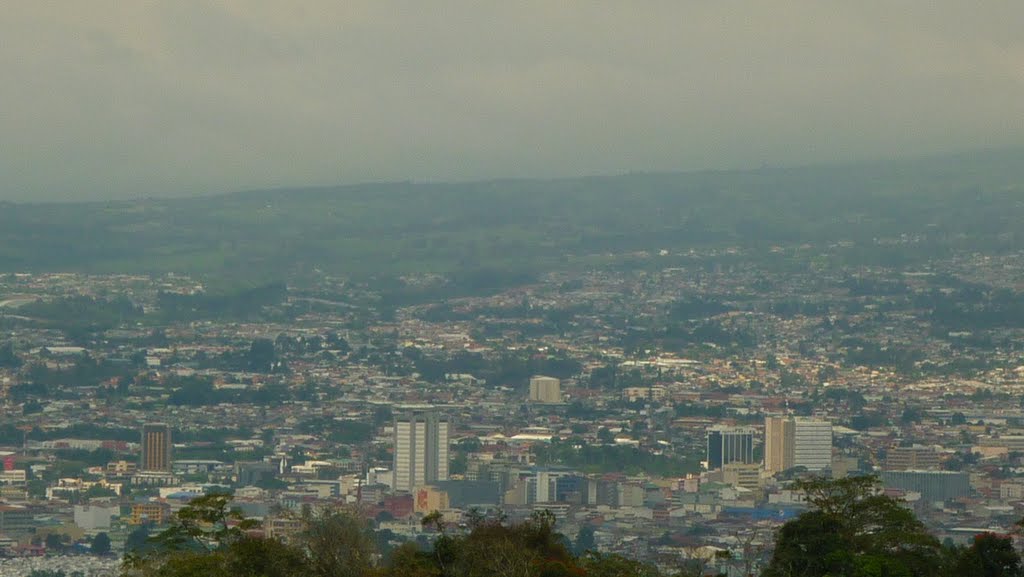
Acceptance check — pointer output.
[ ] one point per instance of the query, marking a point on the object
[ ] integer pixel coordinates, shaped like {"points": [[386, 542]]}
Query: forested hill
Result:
{"points": [[881, 211]]}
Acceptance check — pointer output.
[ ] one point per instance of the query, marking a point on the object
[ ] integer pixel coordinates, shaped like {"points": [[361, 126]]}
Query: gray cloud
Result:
{"points": [[125, 99]]}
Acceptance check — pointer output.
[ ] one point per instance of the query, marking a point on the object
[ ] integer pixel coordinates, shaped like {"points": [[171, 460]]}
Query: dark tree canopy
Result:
{"points": [[990, 555], [100, 544], [262, 356], [853, 530]]}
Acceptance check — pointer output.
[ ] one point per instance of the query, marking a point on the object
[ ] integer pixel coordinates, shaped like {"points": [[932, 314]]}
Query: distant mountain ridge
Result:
{"points": [[961, 202]]}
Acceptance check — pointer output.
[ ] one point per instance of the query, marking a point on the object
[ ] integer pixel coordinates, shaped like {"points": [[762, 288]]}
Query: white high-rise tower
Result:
{"points": [[797, 442], [421, 447]]}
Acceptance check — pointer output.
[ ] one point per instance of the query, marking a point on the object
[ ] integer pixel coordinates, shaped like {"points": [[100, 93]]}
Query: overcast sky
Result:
{"points": [[127, 99]]}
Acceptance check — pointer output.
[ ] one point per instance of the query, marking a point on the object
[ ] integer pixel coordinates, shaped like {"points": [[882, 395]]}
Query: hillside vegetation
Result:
{"points": [[881, 212]]}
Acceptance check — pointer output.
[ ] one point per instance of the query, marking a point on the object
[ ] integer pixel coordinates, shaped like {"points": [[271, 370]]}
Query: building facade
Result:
{"points": [[932, 485], [421, 447], [729, 445], [812, 444], [797, 442], [913, 458], [545, 389], [778, 444], [156, 448]]}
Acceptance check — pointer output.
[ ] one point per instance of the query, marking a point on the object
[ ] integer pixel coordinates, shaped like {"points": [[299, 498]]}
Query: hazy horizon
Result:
{"points": [[129, 101]]}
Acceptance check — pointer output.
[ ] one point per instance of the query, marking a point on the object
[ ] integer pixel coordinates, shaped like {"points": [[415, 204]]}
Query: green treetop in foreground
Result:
{"points": [[208, 539], [852, 530]]}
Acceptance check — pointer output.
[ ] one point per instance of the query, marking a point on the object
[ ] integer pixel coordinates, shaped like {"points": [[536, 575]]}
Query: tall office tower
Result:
{"points": [[797, 442], [812, 444], [421, 447], [778, 444], [156, 448], [545, 389], [729, 445]]}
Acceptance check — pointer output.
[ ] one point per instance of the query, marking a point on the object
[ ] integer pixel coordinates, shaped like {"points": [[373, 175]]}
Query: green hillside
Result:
{"points": [[965, 202]]}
